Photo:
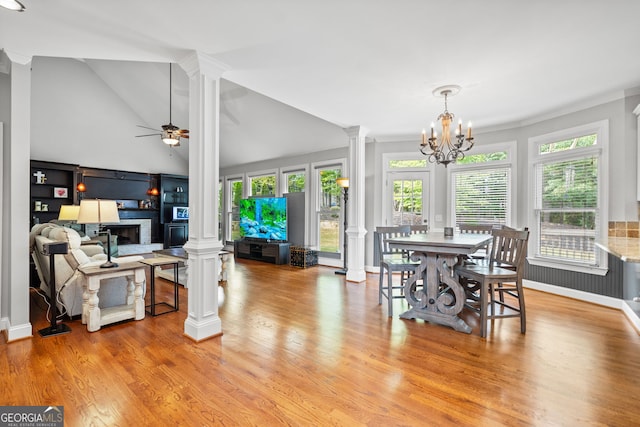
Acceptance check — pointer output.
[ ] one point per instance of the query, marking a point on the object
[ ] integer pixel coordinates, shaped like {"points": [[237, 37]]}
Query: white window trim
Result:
{"points": [[293, 169], [387, 171], [511, 148], [601, 128], [283, 189], [227, 194], [263, 173], [315, 185]]}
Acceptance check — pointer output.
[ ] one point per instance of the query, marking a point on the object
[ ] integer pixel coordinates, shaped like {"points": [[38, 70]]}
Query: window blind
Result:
{"points": [[482, 196], [567, 208]]}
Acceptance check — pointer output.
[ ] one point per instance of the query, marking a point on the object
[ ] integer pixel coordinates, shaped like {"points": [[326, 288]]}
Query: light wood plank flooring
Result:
{"points": [[302, 347]]}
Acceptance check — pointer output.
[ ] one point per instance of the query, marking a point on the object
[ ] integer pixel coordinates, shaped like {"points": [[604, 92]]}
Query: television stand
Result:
{"points": [[262, 250]]}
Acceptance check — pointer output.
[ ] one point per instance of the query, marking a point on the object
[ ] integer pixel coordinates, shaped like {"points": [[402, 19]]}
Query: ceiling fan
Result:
{"points": [[170, 133]]}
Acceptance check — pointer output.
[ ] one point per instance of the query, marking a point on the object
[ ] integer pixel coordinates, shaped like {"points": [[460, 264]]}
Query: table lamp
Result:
{"points": [[96, 211], [68, 213]]}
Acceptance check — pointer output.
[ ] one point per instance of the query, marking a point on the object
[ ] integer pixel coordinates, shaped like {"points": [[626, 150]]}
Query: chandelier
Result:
{"points": [[445, 150]]}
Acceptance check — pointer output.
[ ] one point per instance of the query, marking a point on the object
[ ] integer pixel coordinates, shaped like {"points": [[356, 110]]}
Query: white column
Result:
{"points": [[15, 220], [356, 206], [203, 246]]}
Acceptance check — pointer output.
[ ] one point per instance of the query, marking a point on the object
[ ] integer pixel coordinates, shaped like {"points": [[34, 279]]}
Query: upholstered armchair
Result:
{"points": [[69, 280]]}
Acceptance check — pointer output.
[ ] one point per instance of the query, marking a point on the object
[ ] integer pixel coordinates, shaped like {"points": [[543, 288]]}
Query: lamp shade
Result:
{"points": [[96, 211], [69, 213], [343, 182]]}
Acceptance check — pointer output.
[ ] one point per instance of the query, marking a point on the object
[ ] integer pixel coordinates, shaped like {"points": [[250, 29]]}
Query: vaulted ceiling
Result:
{"points": [[355, 62]]}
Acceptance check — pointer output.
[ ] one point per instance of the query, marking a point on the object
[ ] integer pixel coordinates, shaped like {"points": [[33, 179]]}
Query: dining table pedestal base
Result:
{"points": [[442, 297]]}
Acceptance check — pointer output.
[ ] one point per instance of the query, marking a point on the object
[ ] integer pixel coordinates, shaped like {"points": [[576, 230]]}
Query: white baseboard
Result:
{"points": [[632, 314], [14, 333], [603, 300], [575, 294]]}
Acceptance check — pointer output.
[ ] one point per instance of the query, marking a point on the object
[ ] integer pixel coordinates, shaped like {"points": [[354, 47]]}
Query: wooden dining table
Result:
{"points": [[441, 297]]}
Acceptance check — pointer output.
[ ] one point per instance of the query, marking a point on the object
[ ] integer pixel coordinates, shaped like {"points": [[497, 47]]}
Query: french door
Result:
{"points": [[407, 201]]}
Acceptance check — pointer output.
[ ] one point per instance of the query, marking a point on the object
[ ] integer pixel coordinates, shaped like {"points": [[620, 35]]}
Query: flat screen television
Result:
{"points": [[264, 218], [180, 213]]}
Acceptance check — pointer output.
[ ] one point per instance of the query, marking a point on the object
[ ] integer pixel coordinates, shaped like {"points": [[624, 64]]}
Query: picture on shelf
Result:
{"points": [[180, 213], [41, 178], [60, 192]]}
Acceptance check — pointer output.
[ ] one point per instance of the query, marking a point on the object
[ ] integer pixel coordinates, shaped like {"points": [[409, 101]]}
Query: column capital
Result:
{"points": [[18, 58], [198, 62], [356, 131]]}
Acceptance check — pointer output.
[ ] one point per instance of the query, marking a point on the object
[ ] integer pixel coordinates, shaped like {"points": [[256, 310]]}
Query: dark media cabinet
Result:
{"points": [[262, 250]]}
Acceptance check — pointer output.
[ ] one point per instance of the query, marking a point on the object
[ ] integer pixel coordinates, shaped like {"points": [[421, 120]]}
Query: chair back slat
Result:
{"points": [[386, 233], [419, 229], [465, 227], [509, 247]]}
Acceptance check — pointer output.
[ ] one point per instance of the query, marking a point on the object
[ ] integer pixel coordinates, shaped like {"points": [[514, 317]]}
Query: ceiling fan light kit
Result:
{"points": [[169, 138]]}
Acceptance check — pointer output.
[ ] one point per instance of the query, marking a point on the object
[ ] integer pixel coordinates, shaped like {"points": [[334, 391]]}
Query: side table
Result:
{"points": [[153, 263], [92, 315], [301, 256], [181, 255]]}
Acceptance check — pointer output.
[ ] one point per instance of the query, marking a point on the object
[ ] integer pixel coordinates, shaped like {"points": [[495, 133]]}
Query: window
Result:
{"points": [[294, 181], [567, 169], [234, 190], [403, 164], [329, 209], [481, 186], [264, 185]]}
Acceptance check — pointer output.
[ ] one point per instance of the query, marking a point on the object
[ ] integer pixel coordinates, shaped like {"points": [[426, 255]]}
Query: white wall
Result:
{"points": [[76, 118]]}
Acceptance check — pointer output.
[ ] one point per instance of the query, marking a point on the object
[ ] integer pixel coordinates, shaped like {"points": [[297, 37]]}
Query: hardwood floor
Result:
{"points": [[302, 347]]}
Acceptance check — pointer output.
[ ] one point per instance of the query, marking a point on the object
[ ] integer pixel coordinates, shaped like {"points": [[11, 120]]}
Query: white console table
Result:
{"points": [[92, 315]]}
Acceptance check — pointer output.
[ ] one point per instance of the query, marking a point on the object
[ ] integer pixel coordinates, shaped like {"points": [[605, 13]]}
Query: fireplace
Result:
{"points": [[128, 234], [129, 231]]}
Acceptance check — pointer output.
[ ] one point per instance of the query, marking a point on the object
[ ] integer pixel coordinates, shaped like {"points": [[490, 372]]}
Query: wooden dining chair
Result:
{"points": [[393, 261], [477, 229], [419, 228], [501, 276]]}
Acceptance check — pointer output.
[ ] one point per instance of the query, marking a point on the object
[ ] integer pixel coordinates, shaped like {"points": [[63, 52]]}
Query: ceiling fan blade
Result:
{"points": [[151, 134], [146, 127]]}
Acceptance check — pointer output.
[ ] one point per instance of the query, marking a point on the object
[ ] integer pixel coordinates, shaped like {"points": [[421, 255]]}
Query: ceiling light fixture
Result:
{"points": [[12, 5], [170, 138], [445, 151]]}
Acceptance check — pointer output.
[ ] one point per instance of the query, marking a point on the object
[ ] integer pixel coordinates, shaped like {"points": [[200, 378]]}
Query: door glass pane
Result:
{"points": [[330, 210], [407, 202]]}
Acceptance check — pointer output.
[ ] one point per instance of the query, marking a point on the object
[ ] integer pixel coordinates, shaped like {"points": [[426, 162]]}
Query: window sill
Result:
{"points": [[597, 271]]}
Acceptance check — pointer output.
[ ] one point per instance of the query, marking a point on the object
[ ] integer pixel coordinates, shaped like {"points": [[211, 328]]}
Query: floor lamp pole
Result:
{"points": [[51, 249], [345, 191]]}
